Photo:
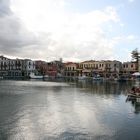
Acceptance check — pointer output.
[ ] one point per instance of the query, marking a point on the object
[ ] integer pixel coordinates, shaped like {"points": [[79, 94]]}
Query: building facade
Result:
{"points": [[28, 67], [15, 68], [10, 68], [103, 68], [5, 65], [70, 69], [129, 67]]}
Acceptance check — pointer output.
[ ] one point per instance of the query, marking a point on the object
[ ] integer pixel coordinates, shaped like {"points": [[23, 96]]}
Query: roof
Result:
{"points": [[4, 57], [88, 61], [69, 63]]}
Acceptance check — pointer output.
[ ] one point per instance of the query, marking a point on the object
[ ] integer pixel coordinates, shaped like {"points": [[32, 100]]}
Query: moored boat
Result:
{"points": [[33, 76], [46, 76], [1, 77], [82, 77], [98, 78], [134, 94]]}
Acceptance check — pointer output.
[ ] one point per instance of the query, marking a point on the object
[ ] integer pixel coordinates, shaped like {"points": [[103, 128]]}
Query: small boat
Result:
{"points": [[121, 79], [46, 76], [82, 77], [33, 76], [59, 75], [135, 91], [1, 77], [98, 78], [134, 98], [134, 94]]}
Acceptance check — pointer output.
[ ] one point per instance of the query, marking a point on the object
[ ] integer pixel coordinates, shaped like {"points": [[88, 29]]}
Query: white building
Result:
{"points": [[16, 68], [10, 68], [28, 67], [4, 66]]}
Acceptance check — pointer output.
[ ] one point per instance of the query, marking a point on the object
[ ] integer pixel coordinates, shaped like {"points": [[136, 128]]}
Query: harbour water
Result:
{"points": [[41, 110]]}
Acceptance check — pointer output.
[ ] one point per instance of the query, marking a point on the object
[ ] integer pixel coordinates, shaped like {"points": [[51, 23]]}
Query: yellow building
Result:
{"points": [[103, 68], [129, 67], [70, 69], [86, 68]]}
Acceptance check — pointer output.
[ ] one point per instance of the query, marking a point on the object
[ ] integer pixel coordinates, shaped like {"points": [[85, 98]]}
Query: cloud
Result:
{"points": [[82, 36], [4, 9], [131, 1], [13, 36], [45, 29]]}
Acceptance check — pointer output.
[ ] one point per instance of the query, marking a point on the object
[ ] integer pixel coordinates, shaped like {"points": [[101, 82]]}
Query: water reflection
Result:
{"points": [[137, 108], [33, 110], [135, 104], [105, 87]]}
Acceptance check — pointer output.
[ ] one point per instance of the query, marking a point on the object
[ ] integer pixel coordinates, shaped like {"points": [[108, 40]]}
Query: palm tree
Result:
{"points": [[136, 57]]}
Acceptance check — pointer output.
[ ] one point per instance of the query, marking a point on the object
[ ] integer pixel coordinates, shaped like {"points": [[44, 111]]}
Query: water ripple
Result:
{"points": [[37, 110]]}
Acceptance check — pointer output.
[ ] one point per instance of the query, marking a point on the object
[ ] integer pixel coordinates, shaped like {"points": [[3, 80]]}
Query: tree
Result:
{"points": [[136, 56]]}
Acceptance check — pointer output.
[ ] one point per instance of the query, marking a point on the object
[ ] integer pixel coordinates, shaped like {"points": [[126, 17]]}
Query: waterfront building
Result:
{"points": [[56, 68], [128, 68], [52, 69], [70, 69], [15, 68], [4, 66], [28, 67], [110, 69], [41, 67], [87, 64], [88, 68], [10, 68], [103, 68]]}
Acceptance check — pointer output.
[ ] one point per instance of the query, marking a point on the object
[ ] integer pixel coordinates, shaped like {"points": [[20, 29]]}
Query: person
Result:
{"points": [[133, 89], [137, 90]]}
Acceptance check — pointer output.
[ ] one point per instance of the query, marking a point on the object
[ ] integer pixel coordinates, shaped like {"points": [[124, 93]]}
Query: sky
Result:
{"points": [[75, 30]]}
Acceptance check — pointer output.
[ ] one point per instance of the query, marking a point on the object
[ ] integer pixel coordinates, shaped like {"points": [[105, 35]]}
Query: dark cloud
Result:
{"points": [[14, 37], [4, 8]]}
